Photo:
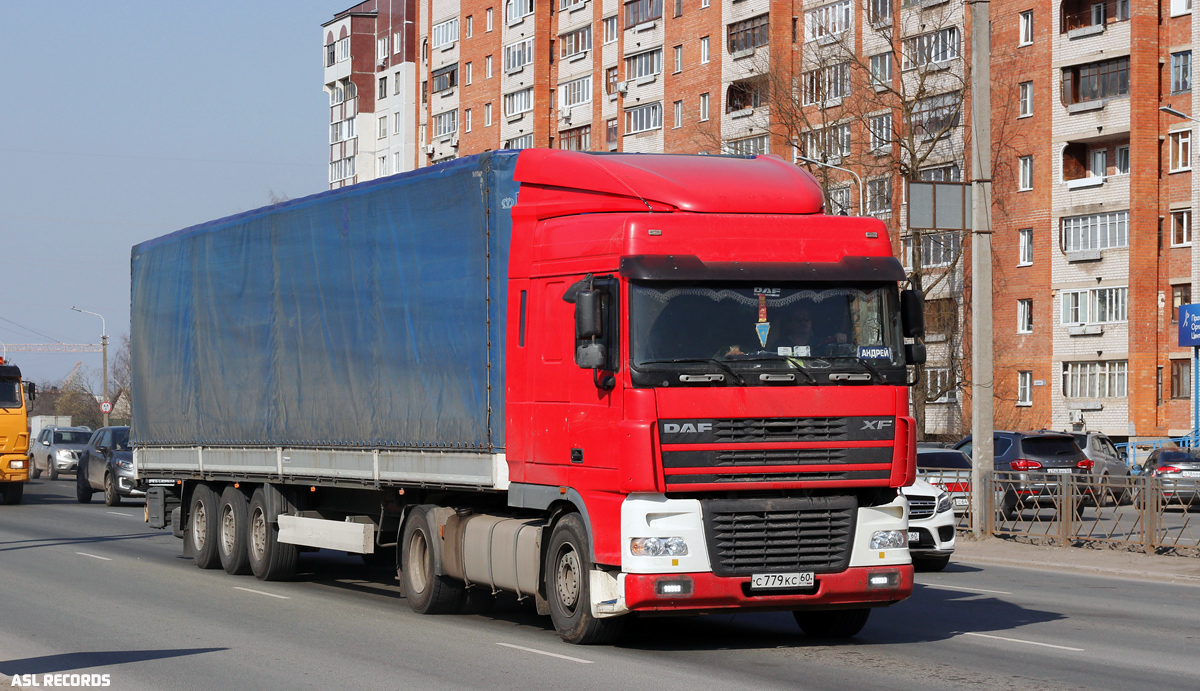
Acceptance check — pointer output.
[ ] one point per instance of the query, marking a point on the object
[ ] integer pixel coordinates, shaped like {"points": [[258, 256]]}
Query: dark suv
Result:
{"points": [[1042, 453]]}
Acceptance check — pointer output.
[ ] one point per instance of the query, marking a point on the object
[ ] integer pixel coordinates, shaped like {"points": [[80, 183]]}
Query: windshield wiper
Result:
{"points": [[876, 374], [712, 361], [794, 363]]}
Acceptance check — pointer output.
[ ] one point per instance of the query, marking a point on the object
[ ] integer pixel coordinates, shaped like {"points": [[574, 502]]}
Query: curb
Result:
{"points": [[1159, 576]]}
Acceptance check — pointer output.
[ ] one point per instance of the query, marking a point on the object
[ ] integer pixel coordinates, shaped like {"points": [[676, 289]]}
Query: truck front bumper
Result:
{"points": [[14, 468], [850, 588]]}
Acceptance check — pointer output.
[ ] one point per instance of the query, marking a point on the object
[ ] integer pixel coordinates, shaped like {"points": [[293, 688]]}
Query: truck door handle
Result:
{"points": [[777, 377], [577, 455], [848, 376], [701, 377]]}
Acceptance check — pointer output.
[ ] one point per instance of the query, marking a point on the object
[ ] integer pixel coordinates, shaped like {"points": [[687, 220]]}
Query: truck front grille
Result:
{"points": [[752, 536]]}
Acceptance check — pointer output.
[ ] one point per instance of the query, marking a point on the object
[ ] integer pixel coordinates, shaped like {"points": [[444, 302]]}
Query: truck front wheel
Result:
{"points": [[833, 623], [270, 559], [427, 592], [233, 532], [568, 589], [202, 526]]}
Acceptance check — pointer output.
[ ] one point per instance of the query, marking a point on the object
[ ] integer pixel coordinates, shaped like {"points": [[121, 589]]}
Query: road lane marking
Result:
{"points": [[259, 592], [969, 590], [1018, 640], [93, 556], [543, 652], [119, 513]]}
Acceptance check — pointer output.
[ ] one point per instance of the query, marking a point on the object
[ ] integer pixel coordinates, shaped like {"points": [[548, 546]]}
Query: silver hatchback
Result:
{"points": [[57, 450]]}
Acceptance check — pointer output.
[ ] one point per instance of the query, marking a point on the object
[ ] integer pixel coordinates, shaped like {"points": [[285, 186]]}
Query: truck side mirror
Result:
{"points": [[912, 313], [914, 353], [31, 390], [587, 315]]}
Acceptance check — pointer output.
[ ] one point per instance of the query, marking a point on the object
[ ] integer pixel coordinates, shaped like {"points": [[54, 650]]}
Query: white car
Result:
{"points": [[930, 526]]}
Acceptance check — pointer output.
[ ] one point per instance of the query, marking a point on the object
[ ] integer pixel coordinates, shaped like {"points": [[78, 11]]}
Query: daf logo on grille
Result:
{"points": [[876, 424], [686, 428]]}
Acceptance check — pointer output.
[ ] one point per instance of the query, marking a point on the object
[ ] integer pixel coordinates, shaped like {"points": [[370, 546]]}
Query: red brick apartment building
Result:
{"points": [[879, 87]]}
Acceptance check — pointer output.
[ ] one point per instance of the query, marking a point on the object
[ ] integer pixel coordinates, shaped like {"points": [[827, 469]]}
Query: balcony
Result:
{"points": [[1081, 18]]}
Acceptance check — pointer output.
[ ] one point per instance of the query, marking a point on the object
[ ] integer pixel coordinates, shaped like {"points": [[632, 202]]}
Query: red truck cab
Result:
{"points": [[714, 374]]}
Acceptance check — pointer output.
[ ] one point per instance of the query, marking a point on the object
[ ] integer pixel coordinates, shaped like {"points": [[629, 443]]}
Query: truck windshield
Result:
{"points": [[10, 393], [793, 325]]}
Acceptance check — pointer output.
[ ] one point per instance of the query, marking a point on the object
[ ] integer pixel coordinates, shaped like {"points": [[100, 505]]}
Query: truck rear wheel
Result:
{"points": [[202, 527], [270, 559], [233, 532], [568, 588], [833, 623], [12, 492], [427, 592]]}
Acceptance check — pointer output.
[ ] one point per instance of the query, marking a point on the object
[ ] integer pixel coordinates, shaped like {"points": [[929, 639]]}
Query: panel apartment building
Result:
{"points": [[1093, 213]]}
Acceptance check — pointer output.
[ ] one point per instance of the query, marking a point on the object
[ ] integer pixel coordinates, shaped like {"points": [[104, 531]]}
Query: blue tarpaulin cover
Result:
{"points": [[370, 316]]}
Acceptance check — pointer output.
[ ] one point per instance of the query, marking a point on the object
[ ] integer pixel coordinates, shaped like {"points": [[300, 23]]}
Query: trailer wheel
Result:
{"points": [[202, 527], [12, 492], [428, 593], [833, 623], [233, 532], [568, 590], [270, 559]]}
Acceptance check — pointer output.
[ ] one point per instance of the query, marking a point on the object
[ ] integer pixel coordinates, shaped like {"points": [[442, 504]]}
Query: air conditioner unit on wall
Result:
{"points": [[1075, 416], [622, 87], [429, 149]]}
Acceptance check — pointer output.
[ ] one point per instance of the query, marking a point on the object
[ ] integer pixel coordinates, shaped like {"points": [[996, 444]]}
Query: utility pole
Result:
{"points": [[981, 266], [104, 350]]}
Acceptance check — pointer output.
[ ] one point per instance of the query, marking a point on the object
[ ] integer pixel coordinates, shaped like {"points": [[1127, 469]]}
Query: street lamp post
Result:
{"points": [[104, 355], [844, 170]]}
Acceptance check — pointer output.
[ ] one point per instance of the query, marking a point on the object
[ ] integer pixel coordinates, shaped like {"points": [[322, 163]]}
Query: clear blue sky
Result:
{"points": [[128, 120]]}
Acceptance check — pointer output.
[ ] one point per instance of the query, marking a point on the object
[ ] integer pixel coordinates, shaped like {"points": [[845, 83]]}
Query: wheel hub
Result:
{"points": [[258, 534], [228, 530], [199, 521], [568, 581]]}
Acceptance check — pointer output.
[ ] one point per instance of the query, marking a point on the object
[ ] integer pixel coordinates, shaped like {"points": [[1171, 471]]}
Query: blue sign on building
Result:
{"points": [[1189, 325]]}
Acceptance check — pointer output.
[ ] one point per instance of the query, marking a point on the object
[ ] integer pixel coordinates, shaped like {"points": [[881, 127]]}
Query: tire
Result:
{"points": [[51, 469], [427, 592], [568, 569], [83, 491], [931, 563], [34, 473], [202, 527], [270, 559], [232, 532], [834, 623], [12, 492], [111, 498]]}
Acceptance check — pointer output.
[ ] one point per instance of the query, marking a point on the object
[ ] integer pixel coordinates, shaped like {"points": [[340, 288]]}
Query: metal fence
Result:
{"points": [[1150, 513]]}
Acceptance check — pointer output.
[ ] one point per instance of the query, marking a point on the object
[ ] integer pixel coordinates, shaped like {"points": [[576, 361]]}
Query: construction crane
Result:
{"points": [[51, 347]]}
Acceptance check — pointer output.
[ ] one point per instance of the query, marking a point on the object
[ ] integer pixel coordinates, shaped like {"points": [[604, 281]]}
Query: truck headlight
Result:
{"points": [[889, 539], [127, 465], [17, 465], [658, 547], [943, 502]]}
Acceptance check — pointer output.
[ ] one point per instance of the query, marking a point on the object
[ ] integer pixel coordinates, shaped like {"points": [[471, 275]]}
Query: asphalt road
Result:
{"points": [[86, 588]]}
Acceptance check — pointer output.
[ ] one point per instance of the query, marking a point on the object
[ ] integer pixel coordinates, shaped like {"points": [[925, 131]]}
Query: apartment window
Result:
{"points": [[1025, 173], [1095, 379], [1026, 28], [932, 48], [610, 29], [381, 48], [1024, 388], [567, 4], [1179, 7], [341, 169], [342, 130], [382, 88], [940, 385], [748, 34], [610, 80], [828, 144], [704, 49], [1121, 166], [1181, 228], [1181, 379], [949, 172], [487, 63], [1026, 94], [575, 43], [517, 55], [516, 10], [933, 116], [467, 117], [703, 4], [518, 102], [678, 59], [939, 249], [444, 33], [829, 20], [881, 70], [839, 201], [383, 127], [703, 107], [1095, 306], [678, 114], [396, 125], [487, 115], [610, 128], [879, 12], [1025, 247], [747, 146], [1095, 231], [1098, 163], [445, 78], [1095, 81], [467, 74], [645, 64], [396, 162], [678, 8], [747, 93], [1025, 316], [396, 84], [330, 55], [523, 142], [424, 91], [826, 83], [879, 196], [1181, 150], [643, 118], [881, 131], [343, 54], [576, 139], [445, 123], [470, 25], [397, 45], [1180, 295], [576, 91], [640, 11], [488, 20]]}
